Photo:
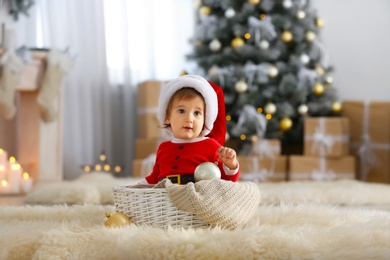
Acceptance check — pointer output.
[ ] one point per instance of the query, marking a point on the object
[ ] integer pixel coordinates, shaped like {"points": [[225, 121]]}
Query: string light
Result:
{"points": [[102, 165]]}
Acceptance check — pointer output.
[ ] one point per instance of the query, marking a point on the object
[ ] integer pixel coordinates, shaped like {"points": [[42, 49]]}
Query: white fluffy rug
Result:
{"points": [[95, 188], [285, 231]]}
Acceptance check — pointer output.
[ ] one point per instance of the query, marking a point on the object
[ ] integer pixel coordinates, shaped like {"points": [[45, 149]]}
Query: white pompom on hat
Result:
{"points": [[199, 84]]}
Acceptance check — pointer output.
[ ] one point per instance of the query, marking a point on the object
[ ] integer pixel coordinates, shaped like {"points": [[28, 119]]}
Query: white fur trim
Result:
{"points": [[199, 84]]}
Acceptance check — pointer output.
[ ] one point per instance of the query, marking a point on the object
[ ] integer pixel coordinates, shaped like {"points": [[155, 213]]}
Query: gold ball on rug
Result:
{"points": [[116, 220], [207, 171]]}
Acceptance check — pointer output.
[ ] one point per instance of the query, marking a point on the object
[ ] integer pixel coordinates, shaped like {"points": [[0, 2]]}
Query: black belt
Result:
{"points": [[180, 179]]}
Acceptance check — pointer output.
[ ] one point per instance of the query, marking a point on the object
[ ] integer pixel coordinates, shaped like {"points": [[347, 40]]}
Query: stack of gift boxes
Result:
{"points": [[264, 163], [370, 138], [150, 135], [355, 145], [326, 153]]}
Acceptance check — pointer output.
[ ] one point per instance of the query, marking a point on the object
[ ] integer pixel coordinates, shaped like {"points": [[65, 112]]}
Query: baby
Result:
{"points": [[188, 108]]}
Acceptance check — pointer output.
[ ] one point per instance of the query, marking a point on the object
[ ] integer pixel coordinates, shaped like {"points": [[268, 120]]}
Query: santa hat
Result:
{"points": [[199, 84]]}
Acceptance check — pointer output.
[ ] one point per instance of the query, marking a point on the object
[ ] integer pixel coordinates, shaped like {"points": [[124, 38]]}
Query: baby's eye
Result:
{"points": [[180, 111], [198, 113]]}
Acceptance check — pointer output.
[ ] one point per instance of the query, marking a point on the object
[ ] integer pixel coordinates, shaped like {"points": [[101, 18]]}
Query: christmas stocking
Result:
{"points": [[11, 67], [58, 63]]}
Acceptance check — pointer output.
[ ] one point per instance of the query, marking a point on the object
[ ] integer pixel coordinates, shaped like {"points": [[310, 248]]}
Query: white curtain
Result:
{"points": [[118, 44]]}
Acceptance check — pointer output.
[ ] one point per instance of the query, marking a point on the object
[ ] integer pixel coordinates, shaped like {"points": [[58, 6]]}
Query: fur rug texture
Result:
{"points": [[283, 231], [96, 188]]}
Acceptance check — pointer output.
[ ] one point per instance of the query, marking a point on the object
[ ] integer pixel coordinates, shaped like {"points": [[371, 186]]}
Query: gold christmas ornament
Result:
{"points": [[286, 36], [270, 108], [237, 42], [303, 109], [336, 107], [241, 86], [204, 10], [207, 171], [320, 22], [117, 219], [310, 36], [318, 89], [254, 2], [183, 72], [286, 123]]}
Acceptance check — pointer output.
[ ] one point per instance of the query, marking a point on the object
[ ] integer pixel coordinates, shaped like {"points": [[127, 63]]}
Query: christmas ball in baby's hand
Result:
{"points": [[207, 171]]}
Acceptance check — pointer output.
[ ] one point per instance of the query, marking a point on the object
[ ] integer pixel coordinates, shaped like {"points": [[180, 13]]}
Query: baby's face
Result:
{"points": [[186, 117]]}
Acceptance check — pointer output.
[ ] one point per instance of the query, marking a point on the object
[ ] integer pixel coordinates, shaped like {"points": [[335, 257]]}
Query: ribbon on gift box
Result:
{"points": [[263, 148], [260, 150], [256, 174], [324, 142], [366, 148]]}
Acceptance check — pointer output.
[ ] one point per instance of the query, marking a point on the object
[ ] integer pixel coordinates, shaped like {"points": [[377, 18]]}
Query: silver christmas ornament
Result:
{"points": [[241, 86], [273, 71], [230, 13], [304, 58], [303, 109], [270, 108], [287, 4], [301, 14], [207, 171], [263, 44], [215, 45]]}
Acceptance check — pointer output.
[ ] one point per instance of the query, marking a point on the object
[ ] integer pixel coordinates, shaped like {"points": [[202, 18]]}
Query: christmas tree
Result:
{"points": [[268, 58]]}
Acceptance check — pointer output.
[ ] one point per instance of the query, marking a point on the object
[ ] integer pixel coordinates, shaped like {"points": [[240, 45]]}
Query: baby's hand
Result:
{"points": [[228, 157]]}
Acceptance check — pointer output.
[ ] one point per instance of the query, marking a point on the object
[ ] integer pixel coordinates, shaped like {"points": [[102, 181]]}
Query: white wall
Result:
{"points": [[357, 37]]}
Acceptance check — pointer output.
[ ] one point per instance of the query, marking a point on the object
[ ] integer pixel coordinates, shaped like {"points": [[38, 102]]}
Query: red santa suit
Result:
{"points": [[181, 157]]}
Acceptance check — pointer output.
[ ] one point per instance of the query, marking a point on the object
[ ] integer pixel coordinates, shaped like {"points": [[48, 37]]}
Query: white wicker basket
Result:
{"points": [[151, 206]]}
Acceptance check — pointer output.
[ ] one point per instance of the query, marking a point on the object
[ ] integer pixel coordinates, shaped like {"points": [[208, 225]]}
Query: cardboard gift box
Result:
{"points": [[261, 169], [147, 105], [326, 136], [370, 138], [146, 146], [143, 167], [266, 147], [321, 168]]}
